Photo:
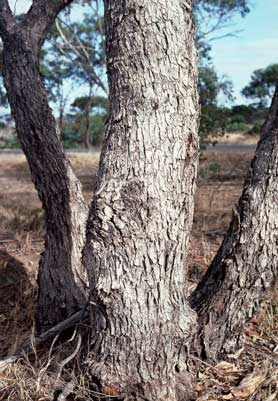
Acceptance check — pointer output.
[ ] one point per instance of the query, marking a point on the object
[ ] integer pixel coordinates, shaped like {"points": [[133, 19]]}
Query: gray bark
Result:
{"points": [[245, 267], [141, 216], [61, 276]]}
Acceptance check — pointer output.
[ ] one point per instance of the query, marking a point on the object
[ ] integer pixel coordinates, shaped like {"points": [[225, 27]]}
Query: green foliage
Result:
{"points": [[10, 143], [97, 129], [212, 16], [74, 53], [213, 124], [211, 86], [236, 123], [54, 72], [213, 119], [70, 136], [262, 85], [74, 130], [210, 171], [99, 103], [236, 127], [255, 130]]}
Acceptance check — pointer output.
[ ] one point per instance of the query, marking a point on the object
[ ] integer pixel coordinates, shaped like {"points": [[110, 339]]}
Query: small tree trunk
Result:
{"points": [[141, 216], [246, 265], [62, 105], [87, 134], [61, 276]]}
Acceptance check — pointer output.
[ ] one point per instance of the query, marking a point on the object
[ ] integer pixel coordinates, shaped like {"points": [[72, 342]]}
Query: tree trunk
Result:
{"points": [[88, 109], [61, 276], [62, 105], [141, 216], [246, 265]]}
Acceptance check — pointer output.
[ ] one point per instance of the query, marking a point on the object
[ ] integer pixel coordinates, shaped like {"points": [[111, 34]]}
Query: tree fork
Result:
{"points": [[62, 279], [246, 265]]}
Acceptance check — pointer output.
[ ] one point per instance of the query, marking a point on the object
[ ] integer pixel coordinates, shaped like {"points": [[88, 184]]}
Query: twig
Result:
{"points": [[73, 320], [67, 390]]}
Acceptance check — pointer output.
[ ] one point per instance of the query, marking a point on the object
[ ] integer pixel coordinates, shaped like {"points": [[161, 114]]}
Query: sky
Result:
{"points": [[255, 46]]}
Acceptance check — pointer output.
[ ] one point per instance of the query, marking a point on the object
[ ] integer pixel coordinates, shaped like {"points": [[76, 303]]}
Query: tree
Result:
{"points": [[61, 276], [213, 20], [245, 266], [262, 85], [213, 119], [74, 52], [55, 72], [90, 128], [138, 229], [216, 15]]}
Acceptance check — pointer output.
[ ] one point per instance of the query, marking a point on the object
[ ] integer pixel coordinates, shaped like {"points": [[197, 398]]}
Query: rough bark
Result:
{"points": [[245, 267], [61, 276], [141, 216]]}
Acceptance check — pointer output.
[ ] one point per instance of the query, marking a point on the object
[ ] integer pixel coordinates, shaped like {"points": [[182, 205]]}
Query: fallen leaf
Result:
{"points": [[248, 385], [226, 367], [227, 370]]}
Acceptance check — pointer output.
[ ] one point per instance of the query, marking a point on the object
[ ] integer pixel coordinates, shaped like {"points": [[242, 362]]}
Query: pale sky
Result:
{"points": [[254, 47], [20, 6]]}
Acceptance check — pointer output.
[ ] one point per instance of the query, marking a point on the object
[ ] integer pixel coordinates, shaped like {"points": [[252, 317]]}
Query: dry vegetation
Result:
{"points": [[249, 375]]}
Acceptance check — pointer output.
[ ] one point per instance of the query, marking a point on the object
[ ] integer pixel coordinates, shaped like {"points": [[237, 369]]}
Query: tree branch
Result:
{"points": [[7, 20], [78, 318], [82, 55], [41, 16]]}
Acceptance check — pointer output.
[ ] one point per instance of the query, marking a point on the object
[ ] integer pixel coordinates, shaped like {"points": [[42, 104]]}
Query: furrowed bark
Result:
{"points": [[141, 216], [245, 267], [61, 275]]}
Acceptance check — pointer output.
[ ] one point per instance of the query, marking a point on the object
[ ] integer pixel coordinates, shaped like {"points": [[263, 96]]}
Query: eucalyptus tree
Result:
{"points": [[144, 326], [262, 85]]}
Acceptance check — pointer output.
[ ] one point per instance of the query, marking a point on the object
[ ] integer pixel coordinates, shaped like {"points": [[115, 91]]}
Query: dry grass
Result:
{"points": [[257, 361], [239, 138], [21, 229], [17, 287]]}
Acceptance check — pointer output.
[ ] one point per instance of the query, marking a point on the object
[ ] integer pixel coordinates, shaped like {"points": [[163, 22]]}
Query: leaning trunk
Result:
{"points": [[245, 267], [141, 216], [61, 277]]}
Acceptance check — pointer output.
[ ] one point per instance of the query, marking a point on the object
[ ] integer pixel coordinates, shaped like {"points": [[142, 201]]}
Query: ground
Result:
{"points": [[251, 374]]}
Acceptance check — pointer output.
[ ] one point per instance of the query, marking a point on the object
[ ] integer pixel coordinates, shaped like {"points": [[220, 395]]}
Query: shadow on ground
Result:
{"points": [[17, 295]]}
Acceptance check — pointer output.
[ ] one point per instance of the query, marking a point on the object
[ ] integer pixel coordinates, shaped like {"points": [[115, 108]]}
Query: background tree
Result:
{"points": [[213, 16], [214, 118], [61, 276], [213, 20], [55, 72], [262, 85], [75, 50], [90, 115]]}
